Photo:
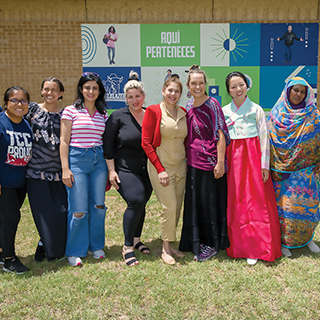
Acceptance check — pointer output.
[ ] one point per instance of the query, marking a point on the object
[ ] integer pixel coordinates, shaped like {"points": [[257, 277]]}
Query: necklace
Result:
{"points": [[173, 112]]}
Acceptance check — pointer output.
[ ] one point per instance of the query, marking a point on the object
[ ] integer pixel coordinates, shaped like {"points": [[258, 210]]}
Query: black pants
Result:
{"points": [[136, 190], [11, 200], [48, 202], [205, 211]]}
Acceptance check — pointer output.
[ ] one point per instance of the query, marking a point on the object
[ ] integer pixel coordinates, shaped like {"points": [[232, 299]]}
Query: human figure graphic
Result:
{"points": [[168, 75], [289, 37], [109, 39]]}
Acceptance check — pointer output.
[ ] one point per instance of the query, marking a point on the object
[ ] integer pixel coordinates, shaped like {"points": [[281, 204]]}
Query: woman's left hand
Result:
{"points": [[164, 178], [218, 170], [317, 168], [265, 175]]}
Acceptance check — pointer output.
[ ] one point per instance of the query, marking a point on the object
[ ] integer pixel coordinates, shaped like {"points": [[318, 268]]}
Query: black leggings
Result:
{"points": [[136, 190], [11, 200]]}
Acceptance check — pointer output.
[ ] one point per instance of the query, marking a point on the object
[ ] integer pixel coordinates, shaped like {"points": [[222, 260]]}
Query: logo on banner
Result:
{"points": [[89, 44], [113, 88]]}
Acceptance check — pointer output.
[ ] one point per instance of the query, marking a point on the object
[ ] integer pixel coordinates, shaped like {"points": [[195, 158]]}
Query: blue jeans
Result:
{"points": [[86, 196], [288, 53], [111, 53]]}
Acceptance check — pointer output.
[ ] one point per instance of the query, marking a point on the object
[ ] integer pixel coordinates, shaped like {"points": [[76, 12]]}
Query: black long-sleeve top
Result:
{"points": [[289, 37], [122, 142]]}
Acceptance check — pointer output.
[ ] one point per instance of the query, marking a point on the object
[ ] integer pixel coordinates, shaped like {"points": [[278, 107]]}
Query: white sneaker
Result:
{"points": [[99, 254], [286, 251], [252, 262], [74, 261], [313, 247]]}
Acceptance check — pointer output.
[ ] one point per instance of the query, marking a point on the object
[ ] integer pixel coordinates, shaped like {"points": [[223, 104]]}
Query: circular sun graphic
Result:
{"points": [[234, 45]]}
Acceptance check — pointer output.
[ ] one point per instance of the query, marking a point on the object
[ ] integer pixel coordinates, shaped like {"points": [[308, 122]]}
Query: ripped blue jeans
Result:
{"points": [[86, 196]]}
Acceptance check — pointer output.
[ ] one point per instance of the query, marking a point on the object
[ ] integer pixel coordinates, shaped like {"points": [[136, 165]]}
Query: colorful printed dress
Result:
{"points": [[295, 151], [253, 224]]}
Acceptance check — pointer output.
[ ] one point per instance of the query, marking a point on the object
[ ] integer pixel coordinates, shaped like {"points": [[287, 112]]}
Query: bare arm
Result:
{"points": [[65, 134], [221, 148]]}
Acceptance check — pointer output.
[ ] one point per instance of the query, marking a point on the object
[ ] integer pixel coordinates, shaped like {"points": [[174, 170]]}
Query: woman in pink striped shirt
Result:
{"points": [[84, 170]]}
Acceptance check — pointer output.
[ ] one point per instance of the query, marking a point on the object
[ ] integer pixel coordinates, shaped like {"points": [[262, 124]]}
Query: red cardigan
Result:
{"points": [[150, 136]]}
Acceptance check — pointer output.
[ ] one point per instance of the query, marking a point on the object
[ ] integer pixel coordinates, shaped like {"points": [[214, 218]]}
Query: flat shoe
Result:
{"points": [[142, 248], [251, 262], [167, 259], [128, 255]]}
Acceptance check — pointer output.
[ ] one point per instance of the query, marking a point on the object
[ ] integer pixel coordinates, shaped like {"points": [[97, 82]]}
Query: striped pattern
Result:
{"points": [[86, 131]]}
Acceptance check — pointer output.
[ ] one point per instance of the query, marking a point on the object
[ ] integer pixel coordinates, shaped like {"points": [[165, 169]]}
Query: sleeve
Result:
{"points": [[115, 36], [33, 107], [67, 114], [264, 138], [109, 137], [295, 37], [284, 35], [149, 126], [221, 123]]}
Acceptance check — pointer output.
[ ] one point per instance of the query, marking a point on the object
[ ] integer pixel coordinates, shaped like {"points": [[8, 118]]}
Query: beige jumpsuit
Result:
{"points": [[171, 153]]}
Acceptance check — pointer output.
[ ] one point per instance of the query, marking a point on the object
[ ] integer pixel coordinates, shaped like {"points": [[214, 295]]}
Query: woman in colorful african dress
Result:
{"points": [[294, 123]]}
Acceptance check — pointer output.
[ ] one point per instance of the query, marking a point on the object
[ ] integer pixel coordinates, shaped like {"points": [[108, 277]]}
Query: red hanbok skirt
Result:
{"points": [[253, 221]]}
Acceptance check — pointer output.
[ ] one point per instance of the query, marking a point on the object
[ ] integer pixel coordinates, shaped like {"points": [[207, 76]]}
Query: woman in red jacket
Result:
{"points": [[164, 130]]}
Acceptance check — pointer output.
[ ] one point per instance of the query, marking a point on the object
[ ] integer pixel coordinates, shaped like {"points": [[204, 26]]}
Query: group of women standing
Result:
{"points": [[216, 159]]}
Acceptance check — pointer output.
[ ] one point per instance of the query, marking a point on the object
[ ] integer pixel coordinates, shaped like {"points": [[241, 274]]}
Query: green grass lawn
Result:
{"points": [[222, 288]]}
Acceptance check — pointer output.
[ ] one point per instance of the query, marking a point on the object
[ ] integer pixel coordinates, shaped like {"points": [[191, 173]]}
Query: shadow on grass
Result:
{"points": [[114, 254], [303, 252]]}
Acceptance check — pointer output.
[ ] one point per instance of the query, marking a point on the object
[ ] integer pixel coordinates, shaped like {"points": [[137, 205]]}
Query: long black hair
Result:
{"points": [[114, 29], [100, 103]]}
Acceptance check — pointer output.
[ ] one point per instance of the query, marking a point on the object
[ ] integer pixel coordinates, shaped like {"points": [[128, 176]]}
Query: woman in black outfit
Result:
{"points": [[127, 165], [46, 192]]}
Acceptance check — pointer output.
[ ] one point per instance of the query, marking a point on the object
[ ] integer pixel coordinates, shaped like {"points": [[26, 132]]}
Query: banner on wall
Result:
{"points": [[268, 54]]}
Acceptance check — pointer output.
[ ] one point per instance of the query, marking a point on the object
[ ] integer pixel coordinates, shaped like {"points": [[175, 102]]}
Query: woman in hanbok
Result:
{"points": [[253, 224]]}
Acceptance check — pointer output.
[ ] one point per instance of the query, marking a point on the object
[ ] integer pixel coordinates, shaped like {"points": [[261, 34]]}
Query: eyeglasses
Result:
{"points": [[16, 101], [90, 73]]}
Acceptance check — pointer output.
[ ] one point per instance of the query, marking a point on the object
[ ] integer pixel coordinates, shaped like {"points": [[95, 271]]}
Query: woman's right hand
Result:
{"points": [[67, 178], [163, 178], [114, 179], [276, 176]]}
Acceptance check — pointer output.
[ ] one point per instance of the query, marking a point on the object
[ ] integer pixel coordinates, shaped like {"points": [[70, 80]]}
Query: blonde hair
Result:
{"points": [[196, 69], [134, 83]]}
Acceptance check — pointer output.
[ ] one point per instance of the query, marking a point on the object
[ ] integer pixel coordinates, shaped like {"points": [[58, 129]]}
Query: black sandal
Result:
{"points": [[144, 250], [128, 255]]}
